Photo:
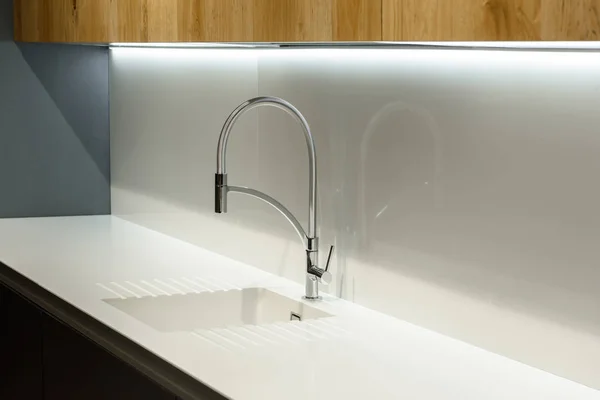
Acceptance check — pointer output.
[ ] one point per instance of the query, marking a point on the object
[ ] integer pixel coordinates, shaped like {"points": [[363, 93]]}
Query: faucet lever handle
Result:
{"points": [[329, 257], [323, 275]]}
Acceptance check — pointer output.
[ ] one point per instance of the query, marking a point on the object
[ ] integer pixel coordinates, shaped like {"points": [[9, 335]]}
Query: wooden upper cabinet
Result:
{"points": [[502, 20], [180, 21], [61, 20], [316, 20], [357, 20], [105, 21], [570, 20]]}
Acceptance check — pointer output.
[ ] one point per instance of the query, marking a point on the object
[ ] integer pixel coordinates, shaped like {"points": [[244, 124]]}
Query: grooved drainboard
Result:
{"points": [[218, 309]]}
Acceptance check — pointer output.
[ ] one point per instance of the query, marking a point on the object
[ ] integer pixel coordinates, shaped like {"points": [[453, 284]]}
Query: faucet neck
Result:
{"points": [[312, 283]]}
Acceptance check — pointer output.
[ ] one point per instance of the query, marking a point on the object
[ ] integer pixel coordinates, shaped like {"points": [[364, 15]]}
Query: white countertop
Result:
{"points": [[356, 354]]}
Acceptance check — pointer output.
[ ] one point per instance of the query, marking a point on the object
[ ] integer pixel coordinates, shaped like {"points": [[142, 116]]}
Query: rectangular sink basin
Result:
{"points": [[187, 312]]}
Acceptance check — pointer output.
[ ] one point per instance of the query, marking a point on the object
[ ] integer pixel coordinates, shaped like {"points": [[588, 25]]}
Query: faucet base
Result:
{"points": [[312, 298], [312, 288]]}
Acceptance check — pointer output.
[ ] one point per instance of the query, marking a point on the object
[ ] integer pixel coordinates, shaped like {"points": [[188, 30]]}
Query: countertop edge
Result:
{"points": [[160, 371]]}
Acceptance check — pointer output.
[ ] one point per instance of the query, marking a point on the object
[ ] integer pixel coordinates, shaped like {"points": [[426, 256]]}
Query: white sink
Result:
{"points": [[253, 306]]}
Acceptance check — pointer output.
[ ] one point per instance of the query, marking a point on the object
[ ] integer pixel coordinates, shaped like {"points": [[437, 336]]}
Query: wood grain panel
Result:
{"points": [[414, 19], [106, 21], [495, 20], [469, 20], [143, 21], [571, 20], [25, 22], [17, 20], [181, 20], [510, 20], [461, 20], [91, 20], [214, 21], [128, 21], [292, 20], [62, 20], [356, 20], [162, 20], [41, 22]]}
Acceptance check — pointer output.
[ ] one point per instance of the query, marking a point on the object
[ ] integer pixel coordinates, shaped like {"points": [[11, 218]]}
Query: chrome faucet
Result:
{"points": [[314, 274]]}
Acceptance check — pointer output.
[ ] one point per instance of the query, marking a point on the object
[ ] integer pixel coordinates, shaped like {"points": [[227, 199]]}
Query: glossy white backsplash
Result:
{"points": [[459, 186]]}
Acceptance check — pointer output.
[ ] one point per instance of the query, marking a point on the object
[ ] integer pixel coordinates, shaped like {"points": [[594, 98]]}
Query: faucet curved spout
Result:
{"points": [[314, 274], [312, 159], [275, 204]]}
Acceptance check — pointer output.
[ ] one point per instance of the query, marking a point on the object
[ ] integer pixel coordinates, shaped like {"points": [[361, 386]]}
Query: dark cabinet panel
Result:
{"points": [[76, 368], [43, 359], [20, 348]]}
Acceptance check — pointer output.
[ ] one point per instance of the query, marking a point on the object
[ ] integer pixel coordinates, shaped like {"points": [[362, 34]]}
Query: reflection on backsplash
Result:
{"points": [[458, 186], [402, 146]]}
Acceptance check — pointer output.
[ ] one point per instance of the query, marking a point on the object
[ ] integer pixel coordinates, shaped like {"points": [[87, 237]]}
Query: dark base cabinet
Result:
{"points": [[40, 358], [21, 370]]}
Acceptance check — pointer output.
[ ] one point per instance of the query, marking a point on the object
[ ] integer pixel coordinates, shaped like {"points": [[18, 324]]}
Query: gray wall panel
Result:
{"points": [[54, 127]]}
